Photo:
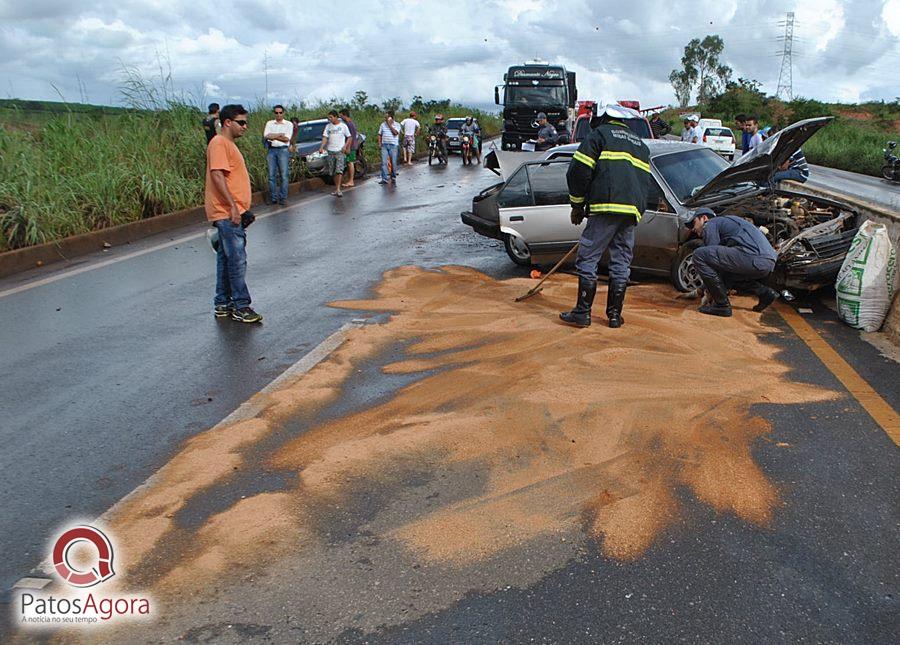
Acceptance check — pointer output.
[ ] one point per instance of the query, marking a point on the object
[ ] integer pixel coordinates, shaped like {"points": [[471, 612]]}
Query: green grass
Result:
{"points": [[849, 143], [76, 170]]}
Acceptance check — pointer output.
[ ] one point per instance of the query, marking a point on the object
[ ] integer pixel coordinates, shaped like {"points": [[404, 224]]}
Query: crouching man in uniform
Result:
{"points": [[736, 254], [609, 180]]}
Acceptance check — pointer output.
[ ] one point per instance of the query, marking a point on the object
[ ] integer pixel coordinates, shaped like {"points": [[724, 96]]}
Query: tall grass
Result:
{"points": [[77, 172]]}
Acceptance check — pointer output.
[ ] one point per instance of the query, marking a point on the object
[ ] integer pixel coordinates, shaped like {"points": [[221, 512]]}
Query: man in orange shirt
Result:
{"points": [[227, 198]]}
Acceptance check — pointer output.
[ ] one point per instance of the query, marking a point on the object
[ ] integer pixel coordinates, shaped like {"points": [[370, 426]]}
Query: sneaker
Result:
{"points": [[282, 202], [223, 311], [246, 315], [382, 182]]}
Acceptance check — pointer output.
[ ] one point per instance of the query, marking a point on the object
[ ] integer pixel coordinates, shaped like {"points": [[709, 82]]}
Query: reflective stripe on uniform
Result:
{"points": [[622, 209], [610, 155], [583, 158], [576, 200]]}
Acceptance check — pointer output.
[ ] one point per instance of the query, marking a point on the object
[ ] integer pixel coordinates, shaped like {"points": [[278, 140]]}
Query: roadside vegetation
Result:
{"points": [[854, 141], [67, 169]]}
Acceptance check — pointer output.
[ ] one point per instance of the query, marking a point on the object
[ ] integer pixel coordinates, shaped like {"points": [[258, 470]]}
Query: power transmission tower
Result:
{"points": [[785, 81]]}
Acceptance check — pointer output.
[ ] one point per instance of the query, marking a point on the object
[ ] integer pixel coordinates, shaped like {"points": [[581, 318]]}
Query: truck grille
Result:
{"points": [[523, 123]]}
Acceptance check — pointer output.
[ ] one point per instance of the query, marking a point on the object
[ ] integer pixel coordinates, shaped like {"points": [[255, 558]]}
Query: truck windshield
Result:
{"points": [[537, 96], [689, 170]]}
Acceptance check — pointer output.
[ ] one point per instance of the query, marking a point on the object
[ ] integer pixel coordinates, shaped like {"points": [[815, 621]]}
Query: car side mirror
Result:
{"points": [[496, 95]]}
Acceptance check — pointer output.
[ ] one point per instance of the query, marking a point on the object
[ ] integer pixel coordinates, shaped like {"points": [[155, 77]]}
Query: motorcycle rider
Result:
{"points": [[609, 180], [471, 129], [547, 135], [439, 129]]}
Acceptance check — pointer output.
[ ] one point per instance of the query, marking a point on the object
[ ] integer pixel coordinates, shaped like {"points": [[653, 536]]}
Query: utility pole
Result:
{"points": [[785, 81], [266, 71]]}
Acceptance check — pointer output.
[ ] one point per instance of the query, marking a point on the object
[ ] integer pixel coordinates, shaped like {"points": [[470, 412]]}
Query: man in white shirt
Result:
{"points": [[696, 130], [388, 139], [277, 135], [686, 132], [410, 131], [336, 143]]}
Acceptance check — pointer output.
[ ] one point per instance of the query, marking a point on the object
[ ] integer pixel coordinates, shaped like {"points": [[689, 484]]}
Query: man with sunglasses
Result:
{"points": [[227, 198], [278, 134]]}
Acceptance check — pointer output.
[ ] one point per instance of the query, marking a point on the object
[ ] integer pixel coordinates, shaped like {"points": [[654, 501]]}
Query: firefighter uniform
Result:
{"points": [[609, 180]]}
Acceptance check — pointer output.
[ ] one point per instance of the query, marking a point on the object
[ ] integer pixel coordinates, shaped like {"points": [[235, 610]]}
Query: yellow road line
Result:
{"points": [[879, 409]]}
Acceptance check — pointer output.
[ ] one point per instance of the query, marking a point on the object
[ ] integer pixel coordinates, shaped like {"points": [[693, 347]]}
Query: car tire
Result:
{"points": [[517, 250], [683, 274]]}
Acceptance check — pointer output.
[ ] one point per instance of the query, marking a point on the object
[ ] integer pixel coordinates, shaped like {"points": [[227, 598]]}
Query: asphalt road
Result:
{"points": [[109, 370], [874, 190]]}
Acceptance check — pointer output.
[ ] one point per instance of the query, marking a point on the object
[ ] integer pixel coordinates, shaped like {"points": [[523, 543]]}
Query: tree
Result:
{"points": [[682, 83], [701, 67], [359, 100], [392, 104], [417, 104]]}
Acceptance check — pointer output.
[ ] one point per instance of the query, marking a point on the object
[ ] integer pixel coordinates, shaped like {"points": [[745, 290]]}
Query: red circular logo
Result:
{"points": [[101, 571]]}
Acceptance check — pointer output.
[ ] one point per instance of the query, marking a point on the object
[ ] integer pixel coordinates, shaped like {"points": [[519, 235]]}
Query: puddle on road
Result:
{"points": [[567, 430]]}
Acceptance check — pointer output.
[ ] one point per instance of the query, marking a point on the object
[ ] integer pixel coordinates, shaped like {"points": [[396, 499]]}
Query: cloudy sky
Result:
{"points": [[458, 49]]}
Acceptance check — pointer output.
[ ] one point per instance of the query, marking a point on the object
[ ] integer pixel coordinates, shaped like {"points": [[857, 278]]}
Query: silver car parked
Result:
{"points": [[529, 210]]}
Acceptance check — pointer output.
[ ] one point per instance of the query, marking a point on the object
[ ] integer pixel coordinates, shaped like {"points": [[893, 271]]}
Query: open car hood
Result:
{"points": [[760, 164], [504, 163]]}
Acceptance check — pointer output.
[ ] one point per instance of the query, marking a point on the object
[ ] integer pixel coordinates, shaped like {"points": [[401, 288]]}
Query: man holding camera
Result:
{"points": [[227, 202]]}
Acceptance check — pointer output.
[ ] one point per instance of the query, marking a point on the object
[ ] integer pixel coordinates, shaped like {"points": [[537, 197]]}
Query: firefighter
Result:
{"points": [[735, 253], [609, 180]]}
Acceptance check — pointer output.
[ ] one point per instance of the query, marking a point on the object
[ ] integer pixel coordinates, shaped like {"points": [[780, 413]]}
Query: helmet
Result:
{"points": [[438, 117], [468, 119], [617, 112]]}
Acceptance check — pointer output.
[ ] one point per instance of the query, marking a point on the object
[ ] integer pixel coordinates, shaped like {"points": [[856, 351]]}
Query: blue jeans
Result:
{"points": [[231, 265], [732, 264], [388, 149], [791, 173], [279, 165]]}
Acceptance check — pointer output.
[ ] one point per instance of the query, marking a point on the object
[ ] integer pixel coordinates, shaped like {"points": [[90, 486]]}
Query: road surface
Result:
{"points": [[874, 190], [461, 470]]}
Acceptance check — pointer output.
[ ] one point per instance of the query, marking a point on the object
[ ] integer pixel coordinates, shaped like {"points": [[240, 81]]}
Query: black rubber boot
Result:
{"points": [[615, 298], [580, 316], [720, 305], [766, 296]]}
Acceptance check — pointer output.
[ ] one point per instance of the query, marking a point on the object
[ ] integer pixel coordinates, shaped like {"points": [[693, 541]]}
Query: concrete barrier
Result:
{"points": [[876, 213], [72, 247]]}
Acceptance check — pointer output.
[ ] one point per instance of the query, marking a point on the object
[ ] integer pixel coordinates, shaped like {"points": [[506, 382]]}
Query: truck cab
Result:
{"points": [[529, 89]]}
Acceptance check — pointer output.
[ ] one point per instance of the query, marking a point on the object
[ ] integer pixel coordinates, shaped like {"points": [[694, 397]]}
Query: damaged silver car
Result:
{"points": [[529, 210]]}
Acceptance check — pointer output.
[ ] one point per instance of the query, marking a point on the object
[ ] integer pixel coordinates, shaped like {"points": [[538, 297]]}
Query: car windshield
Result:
{"points": [[310, 131], [520, 95], [689, 170], [719, 132], [453, 124]]}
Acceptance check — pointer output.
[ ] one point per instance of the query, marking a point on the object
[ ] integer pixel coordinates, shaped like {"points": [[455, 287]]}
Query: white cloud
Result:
{"points": [[437, 49]]}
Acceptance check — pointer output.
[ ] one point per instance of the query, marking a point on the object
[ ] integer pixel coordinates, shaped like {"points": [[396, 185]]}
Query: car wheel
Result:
{"points": [[517, 250], [684, 274]]}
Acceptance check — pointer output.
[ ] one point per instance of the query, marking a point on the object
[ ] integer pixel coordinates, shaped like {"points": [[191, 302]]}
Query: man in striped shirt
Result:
{"points": [[795, 169]]}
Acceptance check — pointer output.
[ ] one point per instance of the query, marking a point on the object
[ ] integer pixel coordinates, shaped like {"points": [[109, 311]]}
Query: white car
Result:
{"points": [[721, 140]]}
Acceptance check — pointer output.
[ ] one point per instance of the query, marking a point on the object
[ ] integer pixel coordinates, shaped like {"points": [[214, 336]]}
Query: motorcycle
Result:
{"points": [[891, 168], [435, 150], [466, 149]]}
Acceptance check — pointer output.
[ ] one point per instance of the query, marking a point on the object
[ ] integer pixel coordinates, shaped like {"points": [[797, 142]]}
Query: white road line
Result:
{"points": [[247, 410], [128, 256]]}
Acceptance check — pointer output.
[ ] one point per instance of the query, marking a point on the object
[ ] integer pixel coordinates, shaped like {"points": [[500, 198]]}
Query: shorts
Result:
{"points": [[351, 156], [409, 142], [334, 163]]}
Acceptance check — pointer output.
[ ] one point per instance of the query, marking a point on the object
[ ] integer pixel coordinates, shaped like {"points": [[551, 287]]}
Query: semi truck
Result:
{"points": [[537, 86]]}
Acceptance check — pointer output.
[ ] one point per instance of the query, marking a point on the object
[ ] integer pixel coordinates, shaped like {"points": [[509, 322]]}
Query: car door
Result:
{"points": [[656, 236], [534, 205]]}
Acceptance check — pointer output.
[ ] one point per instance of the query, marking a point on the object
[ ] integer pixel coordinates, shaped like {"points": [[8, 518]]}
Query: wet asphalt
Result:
{"points": [[875, 190], [108, 371]]}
